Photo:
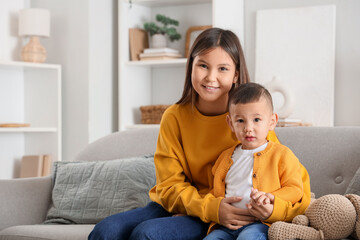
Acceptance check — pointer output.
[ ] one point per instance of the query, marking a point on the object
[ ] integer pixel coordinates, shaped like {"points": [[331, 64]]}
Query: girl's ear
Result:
{"points": [[273, 121], [236, 76], [229, 122]]}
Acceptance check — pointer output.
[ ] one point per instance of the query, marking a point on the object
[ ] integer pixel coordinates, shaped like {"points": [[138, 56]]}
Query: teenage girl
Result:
{"points": [[193, 133]]}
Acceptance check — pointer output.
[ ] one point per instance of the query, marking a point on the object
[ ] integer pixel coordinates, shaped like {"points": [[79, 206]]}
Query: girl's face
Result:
{"points": [[213, 74]]}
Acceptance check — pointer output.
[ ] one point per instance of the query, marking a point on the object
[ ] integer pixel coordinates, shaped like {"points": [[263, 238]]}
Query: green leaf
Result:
{"points": [[152, 28]]}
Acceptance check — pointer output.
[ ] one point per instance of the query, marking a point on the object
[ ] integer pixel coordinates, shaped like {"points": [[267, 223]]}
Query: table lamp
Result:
{"points": [[34, 23]]}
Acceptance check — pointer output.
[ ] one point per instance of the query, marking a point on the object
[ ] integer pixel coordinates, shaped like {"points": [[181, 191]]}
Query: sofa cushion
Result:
{"points": [[354, 186], [87, 192], [47, 232]]}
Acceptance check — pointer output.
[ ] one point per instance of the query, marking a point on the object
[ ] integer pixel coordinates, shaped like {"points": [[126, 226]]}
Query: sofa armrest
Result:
{"points": [[24, 201]]}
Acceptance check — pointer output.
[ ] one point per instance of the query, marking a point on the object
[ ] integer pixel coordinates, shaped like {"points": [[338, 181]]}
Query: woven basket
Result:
{"points": [[152, 114]]}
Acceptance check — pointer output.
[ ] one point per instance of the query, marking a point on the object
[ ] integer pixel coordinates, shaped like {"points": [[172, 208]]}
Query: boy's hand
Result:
{"points": [[232, 217], [261, 204], [261, 197]]}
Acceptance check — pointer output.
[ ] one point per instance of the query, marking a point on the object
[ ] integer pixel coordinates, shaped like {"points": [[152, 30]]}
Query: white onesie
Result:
{"points": [[239, 177]]}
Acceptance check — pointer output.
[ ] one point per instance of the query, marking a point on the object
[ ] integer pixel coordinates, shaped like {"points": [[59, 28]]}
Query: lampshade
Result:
{"points": [[34, 22]]}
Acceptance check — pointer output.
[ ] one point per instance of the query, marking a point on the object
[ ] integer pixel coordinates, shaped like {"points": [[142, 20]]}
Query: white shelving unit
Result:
{"points": [[29, 93], [159, 63], [161, 82]]}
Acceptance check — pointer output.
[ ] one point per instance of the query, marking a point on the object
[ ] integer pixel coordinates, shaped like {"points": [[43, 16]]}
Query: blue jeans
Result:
{"points": [[152, 223], [253, 231]]}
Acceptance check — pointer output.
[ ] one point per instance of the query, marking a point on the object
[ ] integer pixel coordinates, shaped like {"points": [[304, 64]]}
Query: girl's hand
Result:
{"points": [[232, 217]]}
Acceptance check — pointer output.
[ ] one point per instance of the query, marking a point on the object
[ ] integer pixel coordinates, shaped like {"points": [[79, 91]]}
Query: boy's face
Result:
{"points": [[251, 122]]}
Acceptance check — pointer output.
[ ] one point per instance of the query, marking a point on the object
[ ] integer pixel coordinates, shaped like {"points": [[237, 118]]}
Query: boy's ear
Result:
{"points": [[229, 122], [273, 121]]}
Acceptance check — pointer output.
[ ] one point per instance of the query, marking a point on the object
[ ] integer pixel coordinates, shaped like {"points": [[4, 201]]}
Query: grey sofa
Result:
{"points": [[331, 155]]}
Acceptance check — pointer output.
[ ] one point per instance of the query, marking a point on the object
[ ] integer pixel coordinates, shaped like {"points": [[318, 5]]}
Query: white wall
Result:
{"points": [[347, 53], [11, 43], [224, 15], [82, 41], [102, 68]]}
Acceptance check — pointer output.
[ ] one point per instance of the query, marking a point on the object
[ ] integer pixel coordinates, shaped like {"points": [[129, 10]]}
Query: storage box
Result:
{"points": [[152, 114]]}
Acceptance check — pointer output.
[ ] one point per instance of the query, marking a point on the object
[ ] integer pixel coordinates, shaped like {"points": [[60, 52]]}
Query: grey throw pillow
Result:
{"points": [[87, 192], [354, 186]]}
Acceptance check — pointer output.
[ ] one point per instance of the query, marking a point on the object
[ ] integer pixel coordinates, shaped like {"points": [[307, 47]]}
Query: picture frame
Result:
{"points": [[191, 34]]}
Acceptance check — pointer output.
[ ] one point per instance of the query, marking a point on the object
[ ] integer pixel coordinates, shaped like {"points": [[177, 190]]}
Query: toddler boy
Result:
{"points": [[273, 184]]}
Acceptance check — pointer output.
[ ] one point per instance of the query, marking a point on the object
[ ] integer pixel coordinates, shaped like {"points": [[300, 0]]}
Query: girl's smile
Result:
{"points": [[211, 88]]}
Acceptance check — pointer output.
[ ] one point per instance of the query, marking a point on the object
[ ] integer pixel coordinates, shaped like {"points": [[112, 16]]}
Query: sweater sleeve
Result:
{"points": [[285, 210], [290, 174], [174, 190]]}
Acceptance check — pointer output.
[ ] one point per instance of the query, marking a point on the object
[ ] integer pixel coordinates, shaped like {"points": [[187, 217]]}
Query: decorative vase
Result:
{"points": [[277, 85], [158, 40], [33, 51]]}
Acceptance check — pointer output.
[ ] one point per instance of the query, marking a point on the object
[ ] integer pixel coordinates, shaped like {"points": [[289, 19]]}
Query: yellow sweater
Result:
{"points": [[277, 171], [188, 145]]}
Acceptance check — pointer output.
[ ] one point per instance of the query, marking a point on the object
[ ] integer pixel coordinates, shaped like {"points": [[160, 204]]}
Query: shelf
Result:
{"points": [[29, 93], [28, 130], [181, 62], [151, 82], [17, 65], [164, 3]]}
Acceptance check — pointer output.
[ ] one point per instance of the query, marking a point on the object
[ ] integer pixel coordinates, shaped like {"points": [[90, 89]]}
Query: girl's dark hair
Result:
{"points": [[248, 93], [208, 39]]}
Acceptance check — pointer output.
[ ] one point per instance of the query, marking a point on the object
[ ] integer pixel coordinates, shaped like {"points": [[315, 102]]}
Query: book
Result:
{"points": [[144, 55], [31, 166], [289, 120], [158, 58], [138, 40], [47, 164], [35, 166], [160, 50], [292, 124]]}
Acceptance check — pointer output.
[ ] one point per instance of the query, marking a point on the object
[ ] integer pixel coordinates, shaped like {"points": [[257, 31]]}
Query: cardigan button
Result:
{"points": [[259, 154], [254, 175]]}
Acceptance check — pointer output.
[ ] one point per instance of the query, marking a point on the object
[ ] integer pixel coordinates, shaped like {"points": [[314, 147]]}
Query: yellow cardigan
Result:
{"points": [[277, 171], [188, 145]]}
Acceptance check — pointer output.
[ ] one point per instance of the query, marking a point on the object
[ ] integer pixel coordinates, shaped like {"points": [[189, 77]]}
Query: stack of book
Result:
{"points": [[159, 54], [285, 122]]}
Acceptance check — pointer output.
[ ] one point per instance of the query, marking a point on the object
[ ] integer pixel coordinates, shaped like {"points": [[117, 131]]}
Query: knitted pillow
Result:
{"points": [[87, 192], [354, 186]]}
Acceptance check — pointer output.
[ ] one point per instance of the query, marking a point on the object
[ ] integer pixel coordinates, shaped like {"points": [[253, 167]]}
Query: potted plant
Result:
{"points": [[158, 33]]}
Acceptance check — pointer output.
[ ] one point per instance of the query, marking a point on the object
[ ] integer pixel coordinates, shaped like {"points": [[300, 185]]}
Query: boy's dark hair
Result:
{"points": [[248, 93], [207, 40]]}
